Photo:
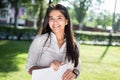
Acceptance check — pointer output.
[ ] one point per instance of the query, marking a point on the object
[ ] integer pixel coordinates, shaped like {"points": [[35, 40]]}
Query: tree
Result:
{"points": [[15, 4], [104, 19], [36, 9], [40, 16], [80, 9], [117, 25], [53, 1], [31, 8]]}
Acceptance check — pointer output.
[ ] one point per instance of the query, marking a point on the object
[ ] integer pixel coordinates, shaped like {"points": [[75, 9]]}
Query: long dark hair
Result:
{"points": [[72, 53]]}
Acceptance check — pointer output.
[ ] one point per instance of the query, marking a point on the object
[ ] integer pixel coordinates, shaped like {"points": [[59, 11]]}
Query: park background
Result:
{"points": [[96, 25]]}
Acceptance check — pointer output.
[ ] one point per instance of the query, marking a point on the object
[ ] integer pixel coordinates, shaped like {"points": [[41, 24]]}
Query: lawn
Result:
{"points": [[13, 59]]}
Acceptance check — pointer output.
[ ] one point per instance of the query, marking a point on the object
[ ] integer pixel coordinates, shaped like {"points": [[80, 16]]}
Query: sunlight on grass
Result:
{"points": [[14, 54], [21, 74], [3, 42], [13, 60], [107, 69]]}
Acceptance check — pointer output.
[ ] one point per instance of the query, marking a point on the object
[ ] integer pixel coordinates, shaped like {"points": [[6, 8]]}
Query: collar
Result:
{"points": [[54, 37]]}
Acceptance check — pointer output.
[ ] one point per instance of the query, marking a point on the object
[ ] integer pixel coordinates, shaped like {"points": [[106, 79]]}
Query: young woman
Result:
{"points": [[56, 44]]}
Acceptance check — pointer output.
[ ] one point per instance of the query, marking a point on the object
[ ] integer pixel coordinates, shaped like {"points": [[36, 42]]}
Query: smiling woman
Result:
{"points": [[55, 45]]}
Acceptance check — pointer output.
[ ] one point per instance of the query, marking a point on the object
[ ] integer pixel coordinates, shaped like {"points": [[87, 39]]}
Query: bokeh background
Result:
{"points": [[96, 26]]}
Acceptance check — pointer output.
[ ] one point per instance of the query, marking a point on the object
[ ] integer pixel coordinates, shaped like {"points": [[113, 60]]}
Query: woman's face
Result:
{"points": [[57, 21]]}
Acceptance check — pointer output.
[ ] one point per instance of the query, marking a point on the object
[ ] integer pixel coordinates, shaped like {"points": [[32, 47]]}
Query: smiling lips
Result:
{"points": [[55, 27]]}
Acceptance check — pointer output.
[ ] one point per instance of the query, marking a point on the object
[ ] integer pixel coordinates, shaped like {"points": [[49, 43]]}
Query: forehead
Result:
{"points": [[55, 13]]}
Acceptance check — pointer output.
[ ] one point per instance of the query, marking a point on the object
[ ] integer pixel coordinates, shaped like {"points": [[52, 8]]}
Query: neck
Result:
{"points": [[60, 39], [60, 36]]}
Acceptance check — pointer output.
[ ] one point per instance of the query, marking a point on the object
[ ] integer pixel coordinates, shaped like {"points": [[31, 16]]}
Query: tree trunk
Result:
{"points": [[16, 5], [16, 14], [40, 16]]}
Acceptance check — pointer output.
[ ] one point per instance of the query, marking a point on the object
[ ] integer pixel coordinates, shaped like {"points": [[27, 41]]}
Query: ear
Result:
{"points": [[66, 22]]}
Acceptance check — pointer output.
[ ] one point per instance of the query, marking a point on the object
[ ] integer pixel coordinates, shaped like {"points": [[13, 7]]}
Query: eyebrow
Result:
{"points": [[57, 16]]}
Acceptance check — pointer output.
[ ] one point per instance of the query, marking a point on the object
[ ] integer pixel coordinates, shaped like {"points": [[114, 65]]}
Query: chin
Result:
{"points": [[56, 31]]}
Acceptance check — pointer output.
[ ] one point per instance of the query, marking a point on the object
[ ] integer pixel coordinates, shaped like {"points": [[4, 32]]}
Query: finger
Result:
{"points": [[64, 77], [56, 65], [68, 75]]}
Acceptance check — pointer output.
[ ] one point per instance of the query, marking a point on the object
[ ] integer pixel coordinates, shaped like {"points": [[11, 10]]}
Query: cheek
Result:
{"points": [[50, 24], [63, 24]]}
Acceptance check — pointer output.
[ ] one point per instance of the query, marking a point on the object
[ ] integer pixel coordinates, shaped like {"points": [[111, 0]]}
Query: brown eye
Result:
{"points": [[51, 19], [59, 18]]}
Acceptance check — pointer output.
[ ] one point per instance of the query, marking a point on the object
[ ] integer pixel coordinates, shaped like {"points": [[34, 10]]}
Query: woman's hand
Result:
{"points": [[68, 75], [55, 65]]}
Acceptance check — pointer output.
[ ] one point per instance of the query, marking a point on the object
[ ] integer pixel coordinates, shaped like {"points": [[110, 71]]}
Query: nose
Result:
{"points": [[55, 21]]}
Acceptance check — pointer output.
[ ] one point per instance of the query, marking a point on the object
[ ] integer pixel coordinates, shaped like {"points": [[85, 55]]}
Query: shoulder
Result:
{"points": [[39, 39]]}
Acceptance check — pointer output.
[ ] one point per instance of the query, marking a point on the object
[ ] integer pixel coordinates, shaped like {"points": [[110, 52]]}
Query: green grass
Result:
{"points": [[108, 68], [13, 60]]}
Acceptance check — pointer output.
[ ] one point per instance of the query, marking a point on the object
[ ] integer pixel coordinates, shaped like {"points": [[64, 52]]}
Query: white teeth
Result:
{"points": [[55, 26]]}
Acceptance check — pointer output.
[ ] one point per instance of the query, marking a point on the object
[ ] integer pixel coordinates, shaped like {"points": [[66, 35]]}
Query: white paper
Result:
{"points": [[49, 73]]}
